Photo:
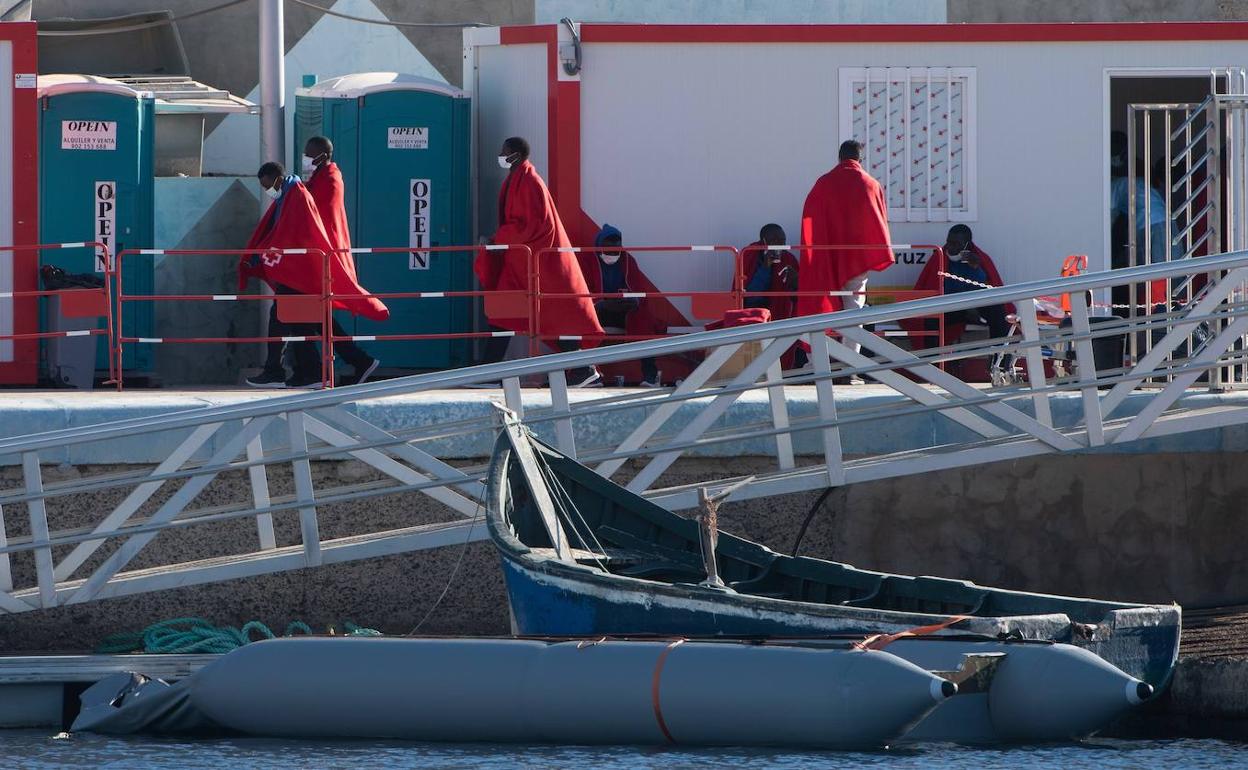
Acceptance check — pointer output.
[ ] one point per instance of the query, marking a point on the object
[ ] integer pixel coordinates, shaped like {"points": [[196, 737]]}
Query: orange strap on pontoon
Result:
{"points": [[880, 641], [654, 689]]}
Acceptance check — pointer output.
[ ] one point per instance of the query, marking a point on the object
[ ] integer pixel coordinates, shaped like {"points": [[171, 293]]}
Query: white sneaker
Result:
{"points": [[645, 384], [368, 371], [591, 380]]}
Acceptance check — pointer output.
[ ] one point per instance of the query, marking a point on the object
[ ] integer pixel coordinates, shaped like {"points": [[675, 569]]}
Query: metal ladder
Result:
{"points": [[251, 527]]}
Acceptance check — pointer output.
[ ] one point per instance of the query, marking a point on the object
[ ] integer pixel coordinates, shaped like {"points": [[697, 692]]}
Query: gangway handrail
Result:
{"points": [[694, 341]]}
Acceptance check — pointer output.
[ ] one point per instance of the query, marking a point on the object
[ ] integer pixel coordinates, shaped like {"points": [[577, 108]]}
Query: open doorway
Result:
{"points": [[1169, 143]]}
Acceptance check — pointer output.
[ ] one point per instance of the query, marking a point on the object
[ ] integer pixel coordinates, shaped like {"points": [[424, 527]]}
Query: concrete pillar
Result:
{"points": [[272, 82]]}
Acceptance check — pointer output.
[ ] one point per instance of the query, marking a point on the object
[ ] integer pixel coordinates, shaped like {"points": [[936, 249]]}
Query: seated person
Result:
{"points": [[965, 260], [612, 270], [764, 268]]}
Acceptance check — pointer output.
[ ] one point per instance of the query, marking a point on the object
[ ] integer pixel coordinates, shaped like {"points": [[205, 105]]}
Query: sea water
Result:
{"points": [[39, 750]]}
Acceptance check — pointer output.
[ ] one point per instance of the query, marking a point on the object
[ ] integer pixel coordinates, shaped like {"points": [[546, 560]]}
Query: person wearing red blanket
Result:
{"points": [[293, 222], [527, 216], [327, 191], [764, 268], [969, 263], [609, 270], [846, 207]]}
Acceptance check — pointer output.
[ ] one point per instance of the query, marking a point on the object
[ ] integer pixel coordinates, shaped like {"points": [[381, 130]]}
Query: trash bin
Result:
{"points": [[1108, 351], [71, 360]]}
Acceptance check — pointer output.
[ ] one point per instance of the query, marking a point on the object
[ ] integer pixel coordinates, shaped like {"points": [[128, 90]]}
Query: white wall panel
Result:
{"points": [[511, 100], [707, 142]]}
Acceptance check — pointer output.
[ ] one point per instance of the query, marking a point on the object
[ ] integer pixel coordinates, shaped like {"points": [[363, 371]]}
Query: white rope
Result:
{"points": [[979, 285]]}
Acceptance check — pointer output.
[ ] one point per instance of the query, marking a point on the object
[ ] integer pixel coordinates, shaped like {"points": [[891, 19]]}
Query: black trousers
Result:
{"points": [[307, 359], [992, 315]]}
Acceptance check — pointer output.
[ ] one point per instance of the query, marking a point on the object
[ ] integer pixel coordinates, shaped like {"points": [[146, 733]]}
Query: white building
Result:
{"points": [[684, 134]]}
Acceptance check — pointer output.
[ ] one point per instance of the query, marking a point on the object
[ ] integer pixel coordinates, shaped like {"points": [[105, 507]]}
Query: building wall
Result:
{"points": [[705, 143], [743, 11]]}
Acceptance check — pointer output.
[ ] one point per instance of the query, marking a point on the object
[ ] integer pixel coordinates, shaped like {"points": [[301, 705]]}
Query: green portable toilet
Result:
{"points": [[96, 169], [402, 143]]}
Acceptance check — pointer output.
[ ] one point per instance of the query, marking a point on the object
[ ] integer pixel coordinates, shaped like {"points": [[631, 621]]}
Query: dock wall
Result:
{"points": [[1157, 528]]}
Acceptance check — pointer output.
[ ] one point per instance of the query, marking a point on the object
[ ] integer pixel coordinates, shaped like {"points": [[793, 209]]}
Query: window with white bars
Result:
{"points": [[917, 126]]}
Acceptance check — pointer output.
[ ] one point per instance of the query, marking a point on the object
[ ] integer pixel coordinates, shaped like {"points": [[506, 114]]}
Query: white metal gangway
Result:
{"points": [[240, 491]]}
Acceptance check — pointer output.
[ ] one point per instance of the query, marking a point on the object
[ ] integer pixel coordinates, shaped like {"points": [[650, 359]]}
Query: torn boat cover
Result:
{"points": [[528, 691]]}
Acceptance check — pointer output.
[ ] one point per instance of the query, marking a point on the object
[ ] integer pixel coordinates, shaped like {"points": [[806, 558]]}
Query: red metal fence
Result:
{"points": [[522, 304]]}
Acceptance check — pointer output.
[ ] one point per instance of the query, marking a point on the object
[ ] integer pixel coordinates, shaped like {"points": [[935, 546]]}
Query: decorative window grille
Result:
{"points": [[917, 125]]}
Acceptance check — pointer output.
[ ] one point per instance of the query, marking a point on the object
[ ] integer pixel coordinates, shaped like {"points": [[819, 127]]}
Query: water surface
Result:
{"points": [[36, 750]]}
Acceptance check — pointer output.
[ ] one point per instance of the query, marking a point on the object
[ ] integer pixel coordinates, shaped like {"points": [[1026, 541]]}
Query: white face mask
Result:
{"points": [[309, 166], [273, 192], [503, 162], [610, 259], [956, 257]]}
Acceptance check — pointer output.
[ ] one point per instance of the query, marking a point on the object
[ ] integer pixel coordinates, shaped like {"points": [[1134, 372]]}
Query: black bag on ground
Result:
{"points": [[55, 278]]}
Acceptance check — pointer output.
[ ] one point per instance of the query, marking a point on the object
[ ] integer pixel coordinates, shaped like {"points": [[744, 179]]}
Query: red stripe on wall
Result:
{"points": [[913, 33]]}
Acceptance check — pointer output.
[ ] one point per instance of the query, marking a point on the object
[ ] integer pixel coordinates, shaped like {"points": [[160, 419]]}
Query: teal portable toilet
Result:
{"points": [[402, 143], [96, 170]]}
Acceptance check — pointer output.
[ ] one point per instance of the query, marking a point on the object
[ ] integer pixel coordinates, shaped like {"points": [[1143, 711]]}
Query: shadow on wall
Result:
{"points": [[204, 213]]}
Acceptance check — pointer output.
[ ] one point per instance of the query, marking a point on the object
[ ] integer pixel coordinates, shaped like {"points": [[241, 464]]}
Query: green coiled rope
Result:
{"points": [[196, 635]]}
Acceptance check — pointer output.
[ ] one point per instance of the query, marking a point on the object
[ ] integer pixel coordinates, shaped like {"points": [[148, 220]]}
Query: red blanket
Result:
{"points": [[783, 278], [326, 190], [846, 207], [527, 216], [750, 315], [931, 280], [299, 226]]}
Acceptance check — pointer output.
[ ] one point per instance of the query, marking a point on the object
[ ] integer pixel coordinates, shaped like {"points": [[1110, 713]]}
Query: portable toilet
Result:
{"points": [[402, 143], [96, 172]]}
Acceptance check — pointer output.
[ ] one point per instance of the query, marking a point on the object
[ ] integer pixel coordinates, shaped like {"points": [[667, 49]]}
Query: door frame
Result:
{"points": [[1108, 75]]}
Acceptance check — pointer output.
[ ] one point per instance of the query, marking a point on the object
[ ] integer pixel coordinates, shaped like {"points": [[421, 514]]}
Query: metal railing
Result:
{"points": [[302, 308], [74, 303], [260, 461]]}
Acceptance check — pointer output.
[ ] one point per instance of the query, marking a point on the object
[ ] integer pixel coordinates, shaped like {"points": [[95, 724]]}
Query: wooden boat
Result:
{"points": [[582, 556]]}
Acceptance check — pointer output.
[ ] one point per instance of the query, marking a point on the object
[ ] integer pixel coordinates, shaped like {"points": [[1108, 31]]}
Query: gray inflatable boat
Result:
{"points": [[532, 691]]}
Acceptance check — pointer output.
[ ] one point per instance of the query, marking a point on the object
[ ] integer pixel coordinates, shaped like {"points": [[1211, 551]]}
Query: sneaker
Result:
{"points": [[650, 383], [267, 380], [586, 377], [309, 383], [368, 371]]}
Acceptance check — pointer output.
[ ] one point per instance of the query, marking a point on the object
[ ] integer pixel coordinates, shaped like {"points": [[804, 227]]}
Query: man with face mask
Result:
{"points": [[965, 260], [293, 222], [527, 217], [324, 182], [609, 270]]}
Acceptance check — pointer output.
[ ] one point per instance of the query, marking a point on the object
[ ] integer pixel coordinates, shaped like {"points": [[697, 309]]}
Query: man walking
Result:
{"points": [[292, 222], [846, 207], [327, 191], [527, 217]]}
